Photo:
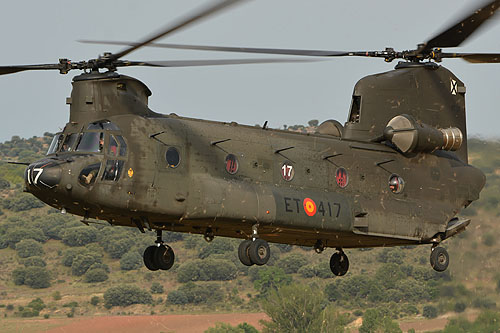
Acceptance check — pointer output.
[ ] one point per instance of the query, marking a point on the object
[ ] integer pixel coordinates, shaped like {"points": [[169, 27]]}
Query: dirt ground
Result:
{"points": [[131, 324], [177, 323]]}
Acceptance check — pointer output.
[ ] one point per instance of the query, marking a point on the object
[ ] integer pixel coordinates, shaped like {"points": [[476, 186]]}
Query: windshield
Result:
{"points": [[69, 142], [91, 142], [56, 144]]}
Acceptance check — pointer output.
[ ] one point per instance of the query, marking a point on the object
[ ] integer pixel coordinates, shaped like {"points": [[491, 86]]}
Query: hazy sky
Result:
{"points": [[44, 31]]}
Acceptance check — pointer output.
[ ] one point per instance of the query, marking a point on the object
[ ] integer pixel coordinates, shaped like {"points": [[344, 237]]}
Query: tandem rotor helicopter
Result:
{"points": [[396, 173]]}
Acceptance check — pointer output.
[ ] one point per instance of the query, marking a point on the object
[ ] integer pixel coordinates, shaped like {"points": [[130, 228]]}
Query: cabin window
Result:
{"points": [[396, 184], [56, 144], [173, 157], [69, 142], [112, 170], [91, 142], [355, 109], [89, 174]]}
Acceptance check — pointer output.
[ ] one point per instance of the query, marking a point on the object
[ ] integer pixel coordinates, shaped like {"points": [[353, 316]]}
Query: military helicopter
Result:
{"points": [[395, 174]]}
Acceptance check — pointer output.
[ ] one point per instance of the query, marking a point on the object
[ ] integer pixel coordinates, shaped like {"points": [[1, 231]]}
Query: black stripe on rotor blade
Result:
{"points": [[456, 34]]}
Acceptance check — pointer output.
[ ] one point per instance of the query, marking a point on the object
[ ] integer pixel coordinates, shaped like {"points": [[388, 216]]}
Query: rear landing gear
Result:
{"points": [[159, 256], [439, 258], [339, 264]]}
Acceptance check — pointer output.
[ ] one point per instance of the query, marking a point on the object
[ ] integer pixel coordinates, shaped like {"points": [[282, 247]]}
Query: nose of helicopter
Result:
{"points": [[43, 174]]}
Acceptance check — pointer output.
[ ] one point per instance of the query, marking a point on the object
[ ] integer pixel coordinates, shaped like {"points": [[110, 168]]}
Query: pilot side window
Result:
{"points": [[90, 142], [112, 146], [113, 170], [56, 144], [69, 142], [355, 109]]}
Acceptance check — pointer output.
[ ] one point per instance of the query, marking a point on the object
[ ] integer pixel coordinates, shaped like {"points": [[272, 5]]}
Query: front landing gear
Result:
{"points": [[339, 264], [254, 251], [439, 258], [159, 256]]}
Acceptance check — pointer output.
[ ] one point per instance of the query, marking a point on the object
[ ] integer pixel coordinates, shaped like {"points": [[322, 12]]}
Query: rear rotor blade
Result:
{"points": [[218, 62], [455, 35], [478, 58], [181, 23]]}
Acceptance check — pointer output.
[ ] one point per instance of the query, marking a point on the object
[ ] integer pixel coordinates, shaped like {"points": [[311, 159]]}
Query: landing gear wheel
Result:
{"points": [[439, 259], [339, 264], [164, 257], [243, 252], [148, 257], [259, 252]]}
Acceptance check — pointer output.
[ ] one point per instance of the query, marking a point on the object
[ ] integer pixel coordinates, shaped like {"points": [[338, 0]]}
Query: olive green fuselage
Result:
{"points": [[202, 191]]}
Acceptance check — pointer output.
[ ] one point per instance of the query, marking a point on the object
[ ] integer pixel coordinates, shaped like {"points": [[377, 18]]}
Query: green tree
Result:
{"points": [[95, 275], [130, 261], [207, 270], [95, 300], [271, 278], [36, 277], [82, 262], [124, 295], [377, 320], [157, 288], [227, 328], [292, 263], [4, 184], [29, 248], [207, 293], [34, 261], [220, 245], [430, 311], [79, 236], [300, 308]]}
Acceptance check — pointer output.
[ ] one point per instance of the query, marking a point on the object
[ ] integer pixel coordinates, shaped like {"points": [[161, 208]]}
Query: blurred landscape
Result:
{"points": [[55, 270]]}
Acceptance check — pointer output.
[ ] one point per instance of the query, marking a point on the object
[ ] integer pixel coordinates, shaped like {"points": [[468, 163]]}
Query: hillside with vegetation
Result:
{"points": [[52, 265]]}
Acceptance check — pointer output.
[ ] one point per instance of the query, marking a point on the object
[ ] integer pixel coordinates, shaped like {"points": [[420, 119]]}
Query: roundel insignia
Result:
{"points": [[309, 207], [130, 172], [341, 177]]}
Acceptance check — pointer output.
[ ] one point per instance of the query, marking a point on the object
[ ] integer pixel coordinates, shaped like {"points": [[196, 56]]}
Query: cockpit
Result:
{"points": [[101, 138]]}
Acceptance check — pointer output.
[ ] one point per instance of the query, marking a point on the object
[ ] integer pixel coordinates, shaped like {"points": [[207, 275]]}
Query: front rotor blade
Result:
{"points": [[477, 58], [181, 23], [15, 69], [315, 53], [217, 62], [455, 35]]}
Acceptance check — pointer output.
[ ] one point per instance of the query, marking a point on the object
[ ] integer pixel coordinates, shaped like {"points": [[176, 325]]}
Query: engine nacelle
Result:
{"points": [[411, 136]]}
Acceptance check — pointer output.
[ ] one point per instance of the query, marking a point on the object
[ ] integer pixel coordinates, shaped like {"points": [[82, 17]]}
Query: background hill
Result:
{"points": [[52, 265]]}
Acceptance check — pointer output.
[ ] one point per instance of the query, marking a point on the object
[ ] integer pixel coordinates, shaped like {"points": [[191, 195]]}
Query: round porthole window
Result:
{"points": [[173, 157], [231, 164], [396, 184]]}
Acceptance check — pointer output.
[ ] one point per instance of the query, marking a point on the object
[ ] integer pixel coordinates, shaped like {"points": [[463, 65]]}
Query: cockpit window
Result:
{"points": [[113, 146], [123, 145], [56, 143], [103, 125], [69, 142], [91, 142], [113, 170]]}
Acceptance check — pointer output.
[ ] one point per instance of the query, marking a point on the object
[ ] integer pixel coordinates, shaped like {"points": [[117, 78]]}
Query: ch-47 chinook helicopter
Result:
{"points": [[395, 174]]}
